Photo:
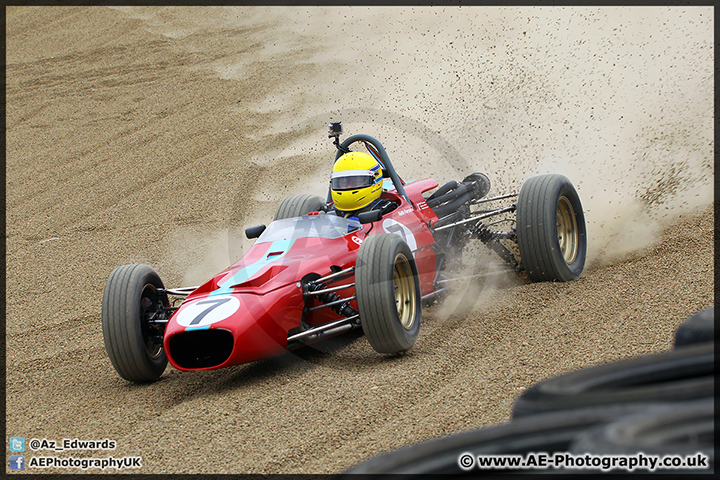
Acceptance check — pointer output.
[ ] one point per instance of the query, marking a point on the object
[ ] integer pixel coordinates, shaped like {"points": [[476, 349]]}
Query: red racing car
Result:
{"points": [[313, 273]]}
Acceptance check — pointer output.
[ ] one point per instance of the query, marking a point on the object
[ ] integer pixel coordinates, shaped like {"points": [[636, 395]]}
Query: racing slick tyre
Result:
{"points": [[551, 233], [676, 375], [134, 345], [388, 293], [298, 205], [697, 328]]}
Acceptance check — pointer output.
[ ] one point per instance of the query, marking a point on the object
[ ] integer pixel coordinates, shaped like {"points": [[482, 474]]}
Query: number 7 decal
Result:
{"points": [[204, 312], [213, 305]]}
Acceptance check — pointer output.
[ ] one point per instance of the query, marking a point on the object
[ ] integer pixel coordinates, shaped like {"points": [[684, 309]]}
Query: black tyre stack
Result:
{"points": [[658, 405]]}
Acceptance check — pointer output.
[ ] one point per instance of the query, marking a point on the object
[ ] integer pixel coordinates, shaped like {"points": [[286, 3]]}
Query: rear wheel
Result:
{"points": [[388, 293], [298, 205], [551, 233], [133, 342]]}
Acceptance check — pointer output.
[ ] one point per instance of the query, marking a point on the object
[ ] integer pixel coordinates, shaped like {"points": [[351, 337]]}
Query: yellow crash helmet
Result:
{"points": [[356, 181]]}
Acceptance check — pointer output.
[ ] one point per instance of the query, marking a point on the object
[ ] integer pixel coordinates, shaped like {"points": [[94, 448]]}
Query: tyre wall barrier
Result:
{"points": [[659, 404]]}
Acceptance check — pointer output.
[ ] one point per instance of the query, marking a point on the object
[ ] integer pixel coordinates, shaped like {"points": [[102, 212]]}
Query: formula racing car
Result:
{"points": [[313, 273]]}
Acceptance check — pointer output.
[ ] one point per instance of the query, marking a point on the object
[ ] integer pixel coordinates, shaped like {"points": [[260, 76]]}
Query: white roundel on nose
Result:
{"points": [[201, 313], [393, 226]]}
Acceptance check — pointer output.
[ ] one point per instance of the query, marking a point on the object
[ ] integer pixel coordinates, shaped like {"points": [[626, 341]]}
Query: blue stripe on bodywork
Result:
{"points": [[245, 274]]}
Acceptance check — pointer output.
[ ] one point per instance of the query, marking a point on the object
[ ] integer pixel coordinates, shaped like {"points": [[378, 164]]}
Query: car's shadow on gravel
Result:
{"points": [[338, 353], [348, 352]]}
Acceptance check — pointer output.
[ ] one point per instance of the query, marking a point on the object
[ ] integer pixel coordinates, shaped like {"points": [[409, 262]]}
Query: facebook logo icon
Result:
{"points": [[17, 462]]}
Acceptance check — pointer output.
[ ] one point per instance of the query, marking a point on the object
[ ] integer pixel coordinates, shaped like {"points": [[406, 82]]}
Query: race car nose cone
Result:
{"points": [[216, 331]]}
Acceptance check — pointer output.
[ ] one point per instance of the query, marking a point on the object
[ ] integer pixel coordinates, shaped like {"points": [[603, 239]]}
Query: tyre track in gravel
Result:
{"points": [[128, 147]]}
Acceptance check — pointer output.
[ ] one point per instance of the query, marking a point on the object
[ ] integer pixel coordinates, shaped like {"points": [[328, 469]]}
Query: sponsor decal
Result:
{"points": [[405, 212]]}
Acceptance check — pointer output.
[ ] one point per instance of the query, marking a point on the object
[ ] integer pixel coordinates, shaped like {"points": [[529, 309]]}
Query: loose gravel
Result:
{"points": [[128, 141]]}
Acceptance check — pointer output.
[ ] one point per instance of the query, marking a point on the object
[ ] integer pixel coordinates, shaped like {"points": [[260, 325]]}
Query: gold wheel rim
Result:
{"points": [[404, 285], [567, 231]]}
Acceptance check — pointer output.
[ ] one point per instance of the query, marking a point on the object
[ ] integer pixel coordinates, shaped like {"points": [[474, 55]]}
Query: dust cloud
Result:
{"points": [[619, 99]]}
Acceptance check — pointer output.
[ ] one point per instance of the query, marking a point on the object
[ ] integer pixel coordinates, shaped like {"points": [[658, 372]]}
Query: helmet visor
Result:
{"points": [[350, 183], [350, 180]]}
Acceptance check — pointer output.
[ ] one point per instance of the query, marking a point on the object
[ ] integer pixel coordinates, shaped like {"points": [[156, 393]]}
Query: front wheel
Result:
{"points": [[550, 229], [133, 341], [388, 293]]}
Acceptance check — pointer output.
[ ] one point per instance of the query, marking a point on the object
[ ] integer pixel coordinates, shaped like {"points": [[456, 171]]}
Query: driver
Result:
{"points": [[356, 185]]}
